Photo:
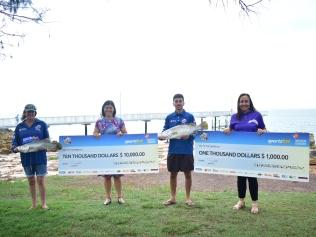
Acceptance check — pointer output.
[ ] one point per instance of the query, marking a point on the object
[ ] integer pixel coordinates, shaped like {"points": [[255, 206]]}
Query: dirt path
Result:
{"points": [[213, 182]]}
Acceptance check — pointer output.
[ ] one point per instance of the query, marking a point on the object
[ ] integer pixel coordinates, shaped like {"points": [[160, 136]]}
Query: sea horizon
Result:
{"points": [[276, 120]]}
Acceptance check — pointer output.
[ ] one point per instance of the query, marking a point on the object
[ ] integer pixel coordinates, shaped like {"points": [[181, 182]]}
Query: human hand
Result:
{"points": [[119, 134], [96, 134], [261, 131], [227, 131]]}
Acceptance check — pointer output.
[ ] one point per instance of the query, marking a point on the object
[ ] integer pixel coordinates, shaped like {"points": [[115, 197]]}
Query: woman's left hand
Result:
{"points": [[119, 134], [261, 131]]}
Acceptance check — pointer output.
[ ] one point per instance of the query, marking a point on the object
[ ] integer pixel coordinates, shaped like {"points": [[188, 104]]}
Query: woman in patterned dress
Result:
{"points": [[110, 124]]}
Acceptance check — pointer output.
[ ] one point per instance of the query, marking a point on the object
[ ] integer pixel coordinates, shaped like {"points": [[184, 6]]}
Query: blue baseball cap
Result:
{"points": [[29, 107]]}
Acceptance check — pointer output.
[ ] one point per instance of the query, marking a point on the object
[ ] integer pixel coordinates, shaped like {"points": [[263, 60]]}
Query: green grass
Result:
{"points": [[52, 158], [76, 209]]}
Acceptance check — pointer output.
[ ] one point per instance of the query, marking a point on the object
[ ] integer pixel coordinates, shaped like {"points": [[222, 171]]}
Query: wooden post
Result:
{"points": [[146, 125], [86, 129]]}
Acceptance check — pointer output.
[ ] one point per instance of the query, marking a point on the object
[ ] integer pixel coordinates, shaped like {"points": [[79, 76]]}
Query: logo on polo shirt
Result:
{"points": [[38, 127], [22, 129], [253, 121], [183, 121], [29, 139]]}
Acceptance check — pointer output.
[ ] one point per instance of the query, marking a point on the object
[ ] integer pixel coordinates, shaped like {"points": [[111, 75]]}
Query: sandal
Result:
{"points": [[189, 203], [254, 208], [169, 202], [107, 201], [120, 200], [239, 205], [45, 208]]}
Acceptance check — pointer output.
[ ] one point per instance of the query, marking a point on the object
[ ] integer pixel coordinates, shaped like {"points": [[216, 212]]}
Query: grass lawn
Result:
{"points": [[76, 209]]}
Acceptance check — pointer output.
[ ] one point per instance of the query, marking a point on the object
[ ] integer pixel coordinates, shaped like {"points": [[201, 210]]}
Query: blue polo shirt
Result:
{"points": [[179, 146], [24, 134], [248, 122]]}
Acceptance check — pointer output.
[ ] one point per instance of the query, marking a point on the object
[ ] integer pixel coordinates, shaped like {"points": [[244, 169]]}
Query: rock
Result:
{"points": [[5, 141], [312, 141], [11, 167], [312, 157], [312, 152]]}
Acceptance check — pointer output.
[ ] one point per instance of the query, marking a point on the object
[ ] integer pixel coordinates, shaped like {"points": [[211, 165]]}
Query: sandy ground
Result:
{"points": [[11, 167], [213, 182]]}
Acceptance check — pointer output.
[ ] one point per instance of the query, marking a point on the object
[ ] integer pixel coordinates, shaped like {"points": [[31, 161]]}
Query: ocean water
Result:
{"points": [[291, 120], [275, 120]]}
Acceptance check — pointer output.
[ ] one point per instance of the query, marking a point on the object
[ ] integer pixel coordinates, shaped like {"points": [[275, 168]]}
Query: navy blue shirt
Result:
{"points": [[248, 122], [179, 146], [24, 134]]}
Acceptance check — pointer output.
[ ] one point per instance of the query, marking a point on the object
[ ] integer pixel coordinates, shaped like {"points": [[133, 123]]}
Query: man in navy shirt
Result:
{"points": [[180, 153], [34, 163]]}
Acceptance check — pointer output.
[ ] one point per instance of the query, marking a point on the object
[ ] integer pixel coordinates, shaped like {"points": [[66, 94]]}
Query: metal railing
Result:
{"points": [[90, 119]]}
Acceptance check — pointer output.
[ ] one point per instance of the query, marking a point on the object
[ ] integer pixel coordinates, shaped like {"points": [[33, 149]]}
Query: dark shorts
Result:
{"points": [[180, 162]]}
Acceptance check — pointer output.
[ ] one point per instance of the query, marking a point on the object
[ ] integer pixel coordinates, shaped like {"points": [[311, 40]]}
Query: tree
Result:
{"points": [[13, 13], [247, 6], [16, 12]]}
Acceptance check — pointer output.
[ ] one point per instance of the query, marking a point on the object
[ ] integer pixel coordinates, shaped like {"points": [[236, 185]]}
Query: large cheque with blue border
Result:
{"points": [[108, 154], [270, 155]]}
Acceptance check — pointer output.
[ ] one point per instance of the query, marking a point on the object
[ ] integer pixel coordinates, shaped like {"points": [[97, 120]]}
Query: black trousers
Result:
{"points": [[242, 187]]}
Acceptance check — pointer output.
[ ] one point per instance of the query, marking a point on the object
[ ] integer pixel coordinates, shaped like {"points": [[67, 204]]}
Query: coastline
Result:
{"points": [[11, 168]]}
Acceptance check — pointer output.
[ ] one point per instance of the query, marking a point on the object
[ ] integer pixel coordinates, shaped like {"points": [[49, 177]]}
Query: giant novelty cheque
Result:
{"points": [[282, 156], [108, 154]]}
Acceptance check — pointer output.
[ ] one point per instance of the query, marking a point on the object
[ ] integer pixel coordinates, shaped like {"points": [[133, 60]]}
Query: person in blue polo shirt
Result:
{"points": [[180, 153], [247, 119], [34, 163]]}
